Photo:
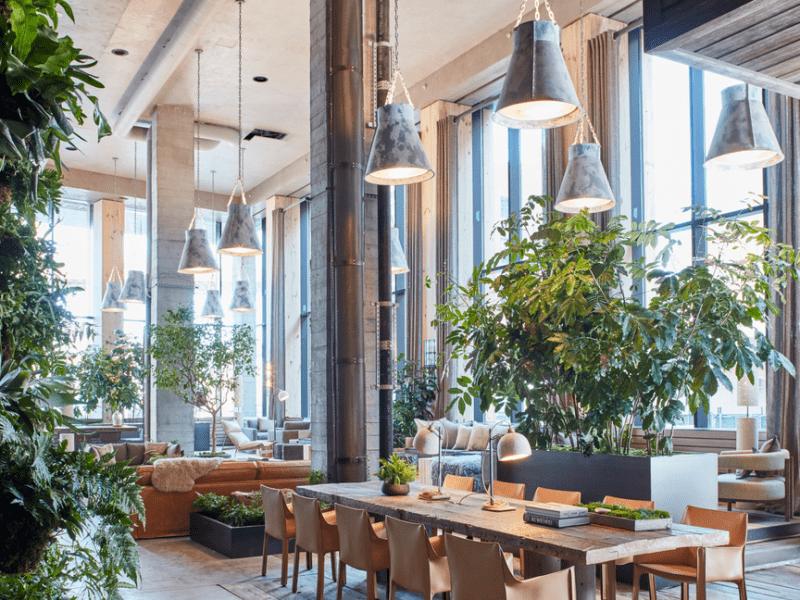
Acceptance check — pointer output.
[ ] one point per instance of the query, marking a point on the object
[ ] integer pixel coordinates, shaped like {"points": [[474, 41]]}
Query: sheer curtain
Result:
{"points": [[414, 276]]}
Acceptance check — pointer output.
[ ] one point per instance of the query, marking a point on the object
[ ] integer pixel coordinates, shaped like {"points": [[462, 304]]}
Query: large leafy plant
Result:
{"points": [[416, 392], [111, 375], [200, 363], [554, 325]]}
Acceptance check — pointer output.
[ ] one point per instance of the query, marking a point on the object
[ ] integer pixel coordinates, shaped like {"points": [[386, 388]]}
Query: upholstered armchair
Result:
{"points": [[761, 482]]}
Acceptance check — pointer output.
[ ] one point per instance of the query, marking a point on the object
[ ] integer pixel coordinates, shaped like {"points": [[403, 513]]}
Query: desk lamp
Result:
{"points": [[512, 446], [429, 441]]}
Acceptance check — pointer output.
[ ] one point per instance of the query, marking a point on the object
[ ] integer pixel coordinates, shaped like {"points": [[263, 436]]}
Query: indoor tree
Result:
{"points": [[200, 363]]}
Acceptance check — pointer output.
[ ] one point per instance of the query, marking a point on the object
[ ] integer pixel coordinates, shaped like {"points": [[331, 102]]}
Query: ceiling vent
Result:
{"points": [[272, 135]]}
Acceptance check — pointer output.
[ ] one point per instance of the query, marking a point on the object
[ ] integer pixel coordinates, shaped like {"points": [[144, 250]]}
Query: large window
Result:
{"points": [[135, 257]]}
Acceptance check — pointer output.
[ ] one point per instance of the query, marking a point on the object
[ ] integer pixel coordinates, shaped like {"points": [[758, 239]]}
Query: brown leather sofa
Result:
{"points": [[167, 513]]}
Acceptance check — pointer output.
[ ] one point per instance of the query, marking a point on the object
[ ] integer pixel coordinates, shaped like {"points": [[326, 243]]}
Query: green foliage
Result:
{"points": [[113, 376], [200, 363], [552, 325], [396, 470], [416, 393], [228, 511], [316, 477], [639, 514]]}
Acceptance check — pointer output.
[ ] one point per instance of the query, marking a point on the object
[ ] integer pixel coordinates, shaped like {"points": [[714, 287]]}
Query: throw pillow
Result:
{"points": [[230, 427], [135, 453], [152, 449], [451, 433], [120, 452], [101, 451], [264, 424], [480, 436], [174, 451], [771, 445], [421, 424], [462, 439]]}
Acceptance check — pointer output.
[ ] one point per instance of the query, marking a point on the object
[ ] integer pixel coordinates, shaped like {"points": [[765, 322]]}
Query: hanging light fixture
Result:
{"points": [[537, 91], [197, 258], [399, 263], [744, 138], [111, 301], [585, 185], [397, 156], [242, 300], [134, 289], [239, 236], [212, 308]]}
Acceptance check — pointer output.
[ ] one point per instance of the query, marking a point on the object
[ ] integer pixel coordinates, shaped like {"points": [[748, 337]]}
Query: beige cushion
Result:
{"points": [[239, 439], [152, 449], [479, 438], [103, 449], [462, 440], [451, 433], [769, 447], [754, 488], [135, 453], [263, 424], [421, 424], [174, 451]]}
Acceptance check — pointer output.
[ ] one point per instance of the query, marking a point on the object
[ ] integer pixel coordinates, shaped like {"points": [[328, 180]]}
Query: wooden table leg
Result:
{"points": [[538, 564], [585, 577], [609, 580]]}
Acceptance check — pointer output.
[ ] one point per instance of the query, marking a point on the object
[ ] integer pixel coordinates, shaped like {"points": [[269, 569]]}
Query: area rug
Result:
{"points": [[179, 474], [270, 588]]}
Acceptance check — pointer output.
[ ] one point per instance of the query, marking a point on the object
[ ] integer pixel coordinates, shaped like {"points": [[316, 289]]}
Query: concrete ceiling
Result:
{"points": [[275, 45]]}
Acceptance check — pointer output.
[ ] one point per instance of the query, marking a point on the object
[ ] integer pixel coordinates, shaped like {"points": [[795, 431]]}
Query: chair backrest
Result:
{"points": [[628, 503], [275, 512], [234, 433], [456, 482], [308, 520], [355, 544], [735, 523], [408, 554], [506, 489], [477, 569], [547, 495]]}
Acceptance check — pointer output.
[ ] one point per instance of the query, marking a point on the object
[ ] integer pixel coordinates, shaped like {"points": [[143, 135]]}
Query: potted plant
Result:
{"points": [[113, 377], [229, 527], [414, 396], [200, 363], [554, 329], [395, 474]]}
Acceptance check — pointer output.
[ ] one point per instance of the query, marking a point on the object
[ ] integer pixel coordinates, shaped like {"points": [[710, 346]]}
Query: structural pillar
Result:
{"points": [[171, 203]]}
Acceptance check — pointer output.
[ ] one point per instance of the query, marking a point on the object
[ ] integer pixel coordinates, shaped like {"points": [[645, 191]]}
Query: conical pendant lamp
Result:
{"points": [[197, 258], [134, 289], [111, 301], [537, 91], [242, 300], [212, 309], [399, 262], [585, 185], [744, 138], [397, 156]]}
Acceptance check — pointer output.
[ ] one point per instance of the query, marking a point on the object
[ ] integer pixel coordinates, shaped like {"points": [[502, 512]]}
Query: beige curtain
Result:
{"points": [[415, 284], [783, 189]]}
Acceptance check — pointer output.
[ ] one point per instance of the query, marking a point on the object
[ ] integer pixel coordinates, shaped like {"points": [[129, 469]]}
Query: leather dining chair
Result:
{"points": [[278, 523], [363, 546], [628, 503], [478, 571], [457, 482], [318, 533], [699, 565], [417, 562], [547, 495], [506, 489]]}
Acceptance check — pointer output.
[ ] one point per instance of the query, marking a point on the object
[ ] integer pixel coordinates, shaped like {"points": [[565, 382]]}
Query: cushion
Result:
{"points": [[462, 439], [152, 449], [174, 451], [771, 445], [421, 424], [451, 433], [479, 438], [120, 452], [103, 449], [135, 453], [230, 426], [264, 424], [296, 425]]}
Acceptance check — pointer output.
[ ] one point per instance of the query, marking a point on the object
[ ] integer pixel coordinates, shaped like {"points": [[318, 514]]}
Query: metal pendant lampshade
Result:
{"points": [[242, 300], [585, 185], [133, 291], [399, 262], [239, 236], [744, 138], [111, 301], [513, 446], [212, 309], [197, 258], [397, 156], [537, 92]]}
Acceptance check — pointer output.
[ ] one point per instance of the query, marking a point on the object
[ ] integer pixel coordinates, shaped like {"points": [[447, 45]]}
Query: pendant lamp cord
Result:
{"points": [[397, 74], [213, 223], [240, 89], [584, 117], [135, 189], [197, 136], [536, 15]]}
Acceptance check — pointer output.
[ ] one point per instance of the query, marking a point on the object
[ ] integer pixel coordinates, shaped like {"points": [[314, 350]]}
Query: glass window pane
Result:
{"points": [[531, 152], [495, 206], [73, 241], [135, 259]]}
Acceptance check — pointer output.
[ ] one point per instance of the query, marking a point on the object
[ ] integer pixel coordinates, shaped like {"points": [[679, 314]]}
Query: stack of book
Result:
{"points": [[553, 514]]}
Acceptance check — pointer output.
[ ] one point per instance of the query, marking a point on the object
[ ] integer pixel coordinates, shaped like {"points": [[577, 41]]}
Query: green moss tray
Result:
{"points": [[629, 524]]}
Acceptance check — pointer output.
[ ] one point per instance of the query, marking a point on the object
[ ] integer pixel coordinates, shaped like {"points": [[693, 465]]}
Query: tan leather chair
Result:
{"points": [[699, 565], [628, 503], [316, 532], [363, 546], [417, 562], [506, 489], [278, 523], [547, 495], [456, 482], [478, 571]]}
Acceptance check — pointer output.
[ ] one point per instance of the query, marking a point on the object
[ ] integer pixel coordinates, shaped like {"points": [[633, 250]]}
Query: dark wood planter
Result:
{"points": [[233, 542]]}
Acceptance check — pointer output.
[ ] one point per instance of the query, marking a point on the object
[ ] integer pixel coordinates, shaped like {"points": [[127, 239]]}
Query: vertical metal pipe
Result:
{"points": [[148, 302], [347, 164], [385, 343]]}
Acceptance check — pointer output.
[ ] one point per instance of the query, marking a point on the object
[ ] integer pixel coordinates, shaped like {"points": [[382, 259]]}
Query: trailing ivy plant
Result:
{"points": [[415, 394], [553, 325], [200, 363]]}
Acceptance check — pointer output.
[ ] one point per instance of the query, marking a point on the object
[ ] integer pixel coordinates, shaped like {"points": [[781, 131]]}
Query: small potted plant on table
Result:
{"points": [[395, 474]]}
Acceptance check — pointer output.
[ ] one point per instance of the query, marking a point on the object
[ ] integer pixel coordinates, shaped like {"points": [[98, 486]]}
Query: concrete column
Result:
{"points": [[109, 232], [171, 202], [293, 350]]}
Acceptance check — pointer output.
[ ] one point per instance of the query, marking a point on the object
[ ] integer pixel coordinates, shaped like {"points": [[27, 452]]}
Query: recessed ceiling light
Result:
{"points": [[260, 78], [119, 52]]}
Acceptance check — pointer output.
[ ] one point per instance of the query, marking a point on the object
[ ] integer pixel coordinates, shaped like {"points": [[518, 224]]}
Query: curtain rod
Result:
{"points": [[629, 27], [475, 107]]}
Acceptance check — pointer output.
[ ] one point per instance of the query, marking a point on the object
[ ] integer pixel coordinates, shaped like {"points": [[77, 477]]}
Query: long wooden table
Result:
{"points": [[582, 547]]}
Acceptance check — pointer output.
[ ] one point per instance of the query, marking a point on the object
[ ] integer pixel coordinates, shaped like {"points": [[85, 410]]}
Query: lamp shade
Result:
{"points": [[747, 393], [513, 446], [197, 258], [537, 91], [239, 236], [111, 301], [212, 308], [283, 396], [585, 185], [399, 262], [133, 290], [242, 300], [427, 440], [397, 156], [744, 138]]}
